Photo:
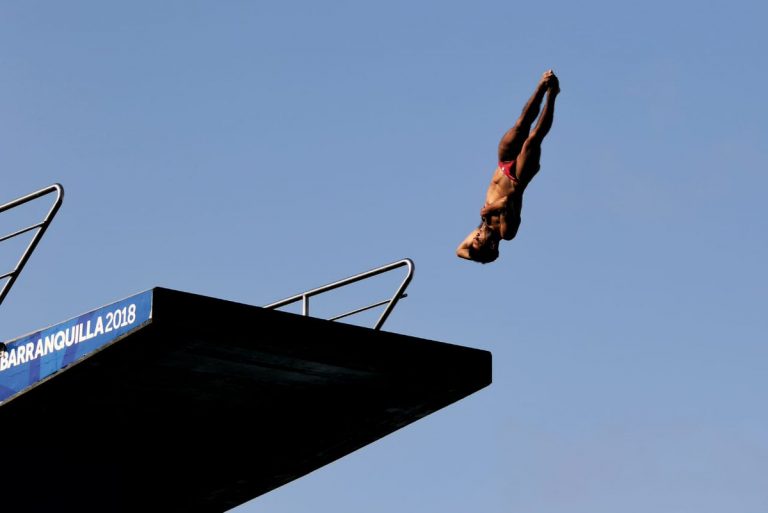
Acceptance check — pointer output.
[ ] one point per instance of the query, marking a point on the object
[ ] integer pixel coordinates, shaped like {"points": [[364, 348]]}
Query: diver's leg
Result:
{"points": [[512, 141], [528, 162]]}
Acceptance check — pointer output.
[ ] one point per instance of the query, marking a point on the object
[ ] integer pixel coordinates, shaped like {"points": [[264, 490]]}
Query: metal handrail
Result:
{"points": [[363, 309], [304, 296], [40, 227]]}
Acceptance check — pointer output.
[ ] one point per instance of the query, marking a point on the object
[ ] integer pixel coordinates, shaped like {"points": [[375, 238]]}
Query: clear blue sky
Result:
{"points": [[252, 150]]}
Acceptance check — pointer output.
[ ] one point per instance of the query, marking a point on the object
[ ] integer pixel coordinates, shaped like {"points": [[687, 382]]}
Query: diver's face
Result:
{"points": [[481, 235]]}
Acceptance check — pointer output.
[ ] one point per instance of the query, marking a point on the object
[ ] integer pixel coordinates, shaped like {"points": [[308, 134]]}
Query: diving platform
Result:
{"points": [[174, 401]]}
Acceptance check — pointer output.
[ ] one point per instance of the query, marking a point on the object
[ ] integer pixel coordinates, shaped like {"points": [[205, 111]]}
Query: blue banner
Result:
{"points": [[34, 357]]}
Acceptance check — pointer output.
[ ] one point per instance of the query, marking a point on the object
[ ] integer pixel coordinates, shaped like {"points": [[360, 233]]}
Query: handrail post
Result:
{"points": [[397, 296]]}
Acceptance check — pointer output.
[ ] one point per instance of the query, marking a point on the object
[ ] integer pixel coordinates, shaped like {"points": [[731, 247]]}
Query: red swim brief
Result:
{"points": [[506, 168]]}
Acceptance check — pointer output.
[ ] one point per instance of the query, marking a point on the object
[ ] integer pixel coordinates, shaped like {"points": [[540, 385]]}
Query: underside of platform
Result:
{"points": [[212, 403]]}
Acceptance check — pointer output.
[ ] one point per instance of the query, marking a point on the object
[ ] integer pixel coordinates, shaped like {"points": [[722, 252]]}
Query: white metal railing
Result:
{"points": [[399, 293], [40, 227]]}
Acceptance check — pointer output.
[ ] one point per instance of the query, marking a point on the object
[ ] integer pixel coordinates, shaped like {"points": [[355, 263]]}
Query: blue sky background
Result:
{"points": [[252, 150]]}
